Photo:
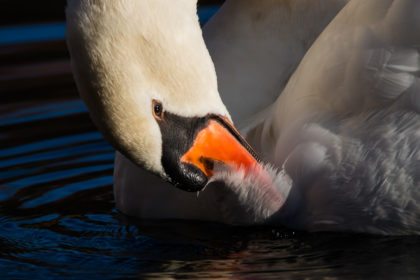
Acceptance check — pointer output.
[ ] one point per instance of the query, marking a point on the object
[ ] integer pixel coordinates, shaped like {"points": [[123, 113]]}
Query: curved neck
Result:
{"points": [[126, 54]]}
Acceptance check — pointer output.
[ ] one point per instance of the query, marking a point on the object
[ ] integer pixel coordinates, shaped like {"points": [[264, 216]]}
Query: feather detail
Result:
{"points": [[248, 197]]}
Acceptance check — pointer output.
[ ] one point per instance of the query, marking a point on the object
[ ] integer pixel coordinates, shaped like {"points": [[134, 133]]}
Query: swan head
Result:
{"points": [[146, 76]]}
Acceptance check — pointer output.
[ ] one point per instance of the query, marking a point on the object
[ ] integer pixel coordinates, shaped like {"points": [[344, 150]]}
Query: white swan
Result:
{"points": [[344, 132]]}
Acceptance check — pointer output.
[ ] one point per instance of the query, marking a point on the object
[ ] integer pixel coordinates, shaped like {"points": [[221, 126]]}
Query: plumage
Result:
{"points": [[341, 139], [353, 104], [265, 40]]}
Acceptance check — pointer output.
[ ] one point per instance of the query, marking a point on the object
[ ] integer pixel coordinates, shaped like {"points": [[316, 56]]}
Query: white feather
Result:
{"points": [[345, 129]]}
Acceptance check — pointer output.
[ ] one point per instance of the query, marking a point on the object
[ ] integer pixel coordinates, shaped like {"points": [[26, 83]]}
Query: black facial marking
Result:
{"points": [[178, 135]]}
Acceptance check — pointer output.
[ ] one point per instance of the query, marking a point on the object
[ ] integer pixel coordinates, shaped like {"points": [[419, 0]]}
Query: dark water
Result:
{"points": [[58, 219]]}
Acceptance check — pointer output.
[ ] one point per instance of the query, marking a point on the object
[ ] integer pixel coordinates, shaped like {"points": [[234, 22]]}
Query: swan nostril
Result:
{"points": [[207, 162]]}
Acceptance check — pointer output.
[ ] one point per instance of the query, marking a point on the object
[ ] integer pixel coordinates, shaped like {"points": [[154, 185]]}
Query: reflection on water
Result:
{"points": [[57, 215]]}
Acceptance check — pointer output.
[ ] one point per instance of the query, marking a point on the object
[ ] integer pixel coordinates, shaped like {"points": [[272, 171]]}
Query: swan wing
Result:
{"points": [[367, 60], [347, 126], [257, 45]]}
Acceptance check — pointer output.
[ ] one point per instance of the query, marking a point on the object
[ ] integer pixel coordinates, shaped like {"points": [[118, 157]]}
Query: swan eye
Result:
{"points": [[157, 109]]}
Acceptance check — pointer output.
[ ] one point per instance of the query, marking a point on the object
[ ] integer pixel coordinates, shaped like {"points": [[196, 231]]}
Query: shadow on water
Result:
{"points": [[58, 219]]}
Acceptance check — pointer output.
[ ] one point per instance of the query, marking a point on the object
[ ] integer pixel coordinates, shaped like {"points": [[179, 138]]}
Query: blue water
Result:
{"points": [[58, 219], [29, 33]]}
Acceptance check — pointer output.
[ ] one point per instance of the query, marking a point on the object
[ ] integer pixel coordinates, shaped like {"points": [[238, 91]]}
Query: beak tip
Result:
{"points": [[193, 180]]}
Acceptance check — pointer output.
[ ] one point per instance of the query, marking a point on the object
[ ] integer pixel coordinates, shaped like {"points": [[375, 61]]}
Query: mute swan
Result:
{"points": [[344, 133]]}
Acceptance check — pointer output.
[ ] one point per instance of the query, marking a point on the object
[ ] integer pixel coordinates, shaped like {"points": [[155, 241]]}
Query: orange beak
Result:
{"points": [[221, 142]]}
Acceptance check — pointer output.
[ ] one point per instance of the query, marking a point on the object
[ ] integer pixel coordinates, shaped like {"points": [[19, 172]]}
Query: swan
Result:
{"points": [[337, 150], [138, 200]]}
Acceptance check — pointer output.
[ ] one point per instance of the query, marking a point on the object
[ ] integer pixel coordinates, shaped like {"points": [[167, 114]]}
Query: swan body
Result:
{"points": [[265, 40], [342, 138]]}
